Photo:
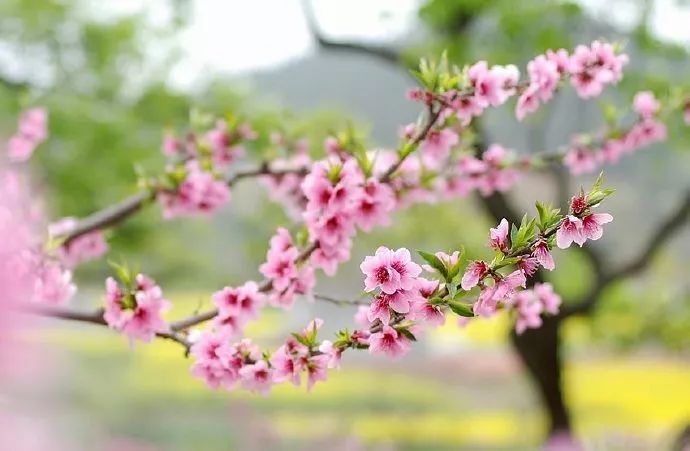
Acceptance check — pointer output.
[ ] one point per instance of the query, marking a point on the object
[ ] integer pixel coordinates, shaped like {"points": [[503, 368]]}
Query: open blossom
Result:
{"points": [[89, 246], [388, 341], [544, 76], [645, 104], [570, 230], [528, 310], [225, 148], [493, 86], [543, 255], [549, 299], [136, 312], [199, 192], [390, 270], [374, 206], [580, 160], [498, 237], [256, 377], [384, 303], [53, 285], [473, 274], [593, 67], [591, 225], [438, 143], [32, 130], [236, 306]]}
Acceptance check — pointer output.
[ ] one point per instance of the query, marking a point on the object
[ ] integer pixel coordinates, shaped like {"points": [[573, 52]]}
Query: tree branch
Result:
{"points": [[95, 317], [664, 232], [383, 53], [119, 212]]}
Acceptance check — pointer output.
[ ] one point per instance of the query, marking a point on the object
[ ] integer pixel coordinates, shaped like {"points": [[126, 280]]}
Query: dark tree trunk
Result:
{"points": [[540, 351]]}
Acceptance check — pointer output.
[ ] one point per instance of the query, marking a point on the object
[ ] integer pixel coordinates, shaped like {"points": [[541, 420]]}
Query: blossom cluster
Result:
{"points": [[32, 130], [220, 363], [194, 181], [586, 155], [589, 68], [135, 307], [89, 246], [44, 277]]}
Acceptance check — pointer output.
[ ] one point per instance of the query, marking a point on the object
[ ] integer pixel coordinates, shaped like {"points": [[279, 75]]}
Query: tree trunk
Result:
{"points": [[540, 351]]}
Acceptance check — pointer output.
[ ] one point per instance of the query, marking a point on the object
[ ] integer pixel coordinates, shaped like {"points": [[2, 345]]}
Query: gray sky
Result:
{"points": [[239, 36]]}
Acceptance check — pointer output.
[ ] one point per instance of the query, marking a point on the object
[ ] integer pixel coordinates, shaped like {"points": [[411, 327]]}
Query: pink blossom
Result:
{"points": [[550, 300], [528, 102], [137, 313], [528, 265], [171, 145], [361, 317], [438, 143], [580, 160], [498, 237], [284, 367], [374, 205], [53, 285], [89, 246], [20, 148], [645, 104], [388, 341], [591, 225], [301, 284], [243, 301], [528, 311], [199, 192], [280, 267], [32, 130], [383, 303], [507, 284], [543, 255], [390, 270], [256, 377], [686, 113], [570, 230], [333, 353], [466, 107], [561, 59], [591, 68], [493, 86], [317, 366], [422, 310], [473, 274]]}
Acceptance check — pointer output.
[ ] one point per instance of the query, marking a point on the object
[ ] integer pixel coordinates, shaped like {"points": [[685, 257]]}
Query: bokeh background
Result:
{"points": [[115, 74]]}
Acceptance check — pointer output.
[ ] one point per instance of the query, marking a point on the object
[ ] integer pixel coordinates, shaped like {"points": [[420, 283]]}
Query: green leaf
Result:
{"points": [[405, 332], [460, 308], [435, 263], [301, 339]]}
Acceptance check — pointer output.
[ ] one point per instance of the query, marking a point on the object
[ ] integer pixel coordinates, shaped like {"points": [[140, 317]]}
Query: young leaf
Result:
{"points": [[434, 262], [461, 309]]}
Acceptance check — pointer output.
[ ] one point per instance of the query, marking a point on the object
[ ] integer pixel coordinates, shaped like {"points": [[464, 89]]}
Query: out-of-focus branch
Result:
{"points": [[119, 212], [383, 53], [340, 302], [95, 317], [664, 232]]}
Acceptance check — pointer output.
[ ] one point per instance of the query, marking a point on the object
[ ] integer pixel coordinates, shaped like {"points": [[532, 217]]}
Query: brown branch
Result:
{"points": [[664, 232], [95, 317], [115, 214], [340, 302]]}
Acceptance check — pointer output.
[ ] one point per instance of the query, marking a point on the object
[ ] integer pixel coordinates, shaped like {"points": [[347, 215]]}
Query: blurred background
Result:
{"points": [[115, 74]]}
